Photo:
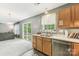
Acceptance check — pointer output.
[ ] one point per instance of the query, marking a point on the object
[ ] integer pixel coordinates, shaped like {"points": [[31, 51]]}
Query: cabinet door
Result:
{"points": [[75, 13], [75, 49], [39, 43], [34, 42], [64, 18], [47, 49]]}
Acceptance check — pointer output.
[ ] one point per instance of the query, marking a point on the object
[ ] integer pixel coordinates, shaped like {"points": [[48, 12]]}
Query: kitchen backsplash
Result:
{"points": [[73, 30], [69, 30]]}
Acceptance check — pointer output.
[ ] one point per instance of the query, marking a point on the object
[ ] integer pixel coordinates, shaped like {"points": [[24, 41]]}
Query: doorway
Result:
{"points": [[27, 31]]}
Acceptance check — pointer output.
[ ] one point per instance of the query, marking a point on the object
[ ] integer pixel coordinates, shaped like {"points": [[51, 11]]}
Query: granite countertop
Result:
{"points": [[60, 37]]}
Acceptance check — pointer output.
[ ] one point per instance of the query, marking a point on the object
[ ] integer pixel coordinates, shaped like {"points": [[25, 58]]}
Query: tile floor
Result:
{"points": [[33, 52]]}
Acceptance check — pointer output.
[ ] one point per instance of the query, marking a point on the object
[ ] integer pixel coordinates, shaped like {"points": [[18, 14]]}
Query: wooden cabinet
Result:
{"points": [[47, 46], [39, 43], [64, 18], [42, 44], [75, 15], [68, 17], [75, 49], [34, 42]]}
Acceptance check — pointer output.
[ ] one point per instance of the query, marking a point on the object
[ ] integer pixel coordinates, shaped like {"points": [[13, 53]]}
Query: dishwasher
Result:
{"points": [[61, 48]]}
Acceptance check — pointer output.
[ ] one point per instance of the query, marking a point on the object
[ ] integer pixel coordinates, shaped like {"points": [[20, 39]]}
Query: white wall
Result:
{"points": [[5, 27], [16, 29]]}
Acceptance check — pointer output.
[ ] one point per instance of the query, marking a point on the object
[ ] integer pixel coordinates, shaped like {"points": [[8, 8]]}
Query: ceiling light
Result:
{"points": [[36, 4]]}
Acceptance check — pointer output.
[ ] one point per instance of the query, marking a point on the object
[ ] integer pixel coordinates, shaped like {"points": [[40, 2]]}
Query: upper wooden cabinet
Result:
{"points": [[75, 15], [68, 17], [64, 18]]}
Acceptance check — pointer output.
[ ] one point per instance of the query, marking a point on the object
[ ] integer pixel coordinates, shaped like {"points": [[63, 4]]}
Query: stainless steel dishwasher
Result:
{"points": [[61, 48]]}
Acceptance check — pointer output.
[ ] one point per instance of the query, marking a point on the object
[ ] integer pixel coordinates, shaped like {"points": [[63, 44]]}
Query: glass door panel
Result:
{"points": [[27, 31]]}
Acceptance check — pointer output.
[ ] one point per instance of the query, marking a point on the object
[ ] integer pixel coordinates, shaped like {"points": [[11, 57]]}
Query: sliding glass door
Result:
{"points": [[27, 31]]}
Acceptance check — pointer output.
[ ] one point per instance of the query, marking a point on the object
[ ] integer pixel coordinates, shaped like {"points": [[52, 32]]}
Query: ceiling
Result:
{"points": [[14, 12]]}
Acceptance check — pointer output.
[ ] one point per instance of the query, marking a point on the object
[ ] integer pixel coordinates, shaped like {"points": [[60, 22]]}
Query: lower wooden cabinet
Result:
{"points": [[42, 44], [47, 46], [75, 49], [39, 43], [34, 42]]}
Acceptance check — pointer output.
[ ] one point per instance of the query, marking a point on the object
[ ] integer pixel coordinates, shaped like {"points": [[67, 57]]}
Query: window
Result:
{"points": [[29, 28], [49, 22], [49, 27]]}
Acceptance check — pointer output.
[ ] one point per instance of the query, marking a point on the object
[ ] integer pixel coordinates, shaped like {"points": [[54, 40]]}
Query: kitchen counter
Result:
{"points": [[60, 37]]}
